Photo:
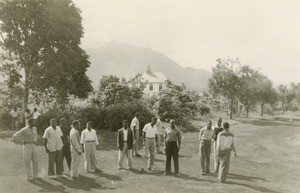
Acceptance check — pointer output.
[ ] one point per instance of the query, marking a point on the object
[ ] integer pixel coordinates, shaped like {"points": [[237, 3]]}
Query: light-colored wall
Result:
{"points": [[155, 88]]}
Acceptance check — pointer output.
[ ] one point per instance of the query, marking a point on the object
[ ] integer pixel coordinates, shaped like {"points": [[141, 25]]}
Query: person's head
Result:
{"points": [[63, 121], [137, 115], [226, 126], [154, 120], [172, 124], [209, 124], [27, 111], [219, 122], [53, 122], [89, 125], [31, 122], [125, 124], [35, 109], [76, 124]]}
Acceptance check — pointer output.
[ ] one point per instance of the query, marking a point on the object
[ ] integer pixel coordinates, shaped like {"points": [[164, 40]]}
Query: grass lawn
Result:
{"points": [[268, 161]]}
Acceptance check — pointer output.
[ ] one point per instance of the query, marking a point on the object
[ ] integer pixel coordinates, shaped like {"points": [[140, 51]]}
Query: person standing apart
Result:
{"points": [[225, 144], [160, 134], [28, 135], [172, 146], [53, 146], [206, 136], [217, 129], [149, 141], [75, 149], [15, 118], [66, 151], [125, 144], [89, 142], [27, 115], [135, 125]]}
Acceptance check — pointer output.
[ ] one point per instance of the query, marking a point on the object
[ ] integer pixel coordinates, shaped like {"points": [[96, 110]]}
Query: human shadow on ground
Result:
{"points": [[188, 177], [254, 187], [245, 178], [82, 183], [48, 187], [110, 177], [155, 172]]}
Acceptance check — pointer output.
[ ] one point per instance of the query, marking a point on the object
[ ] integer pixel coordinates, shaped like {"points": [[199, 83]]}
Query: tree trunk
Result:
{"points": [[247, 111], [261, 109], [26, 94], [231, 108]]}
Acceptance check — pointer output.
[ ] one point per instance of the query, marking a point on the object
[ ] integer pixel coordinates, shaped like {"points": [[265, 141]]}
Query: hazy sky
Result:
{"points": [[262, 33]]}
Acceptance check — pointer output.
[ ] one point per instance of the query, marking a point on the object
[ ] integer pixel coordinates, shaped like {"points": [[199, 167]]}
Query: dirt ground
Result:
{"points": [[268, 161]]}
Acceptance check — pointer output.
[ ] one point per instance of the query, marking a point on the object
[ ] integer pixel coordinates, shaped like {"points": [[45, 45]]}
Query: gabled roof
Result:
{"points": [[153, 76]]}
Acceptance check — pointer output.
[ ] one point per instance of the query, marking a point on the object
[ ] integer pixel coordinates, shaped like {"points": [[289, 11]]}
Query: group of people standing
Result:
{"points": [[63, 142], [17, 117]]}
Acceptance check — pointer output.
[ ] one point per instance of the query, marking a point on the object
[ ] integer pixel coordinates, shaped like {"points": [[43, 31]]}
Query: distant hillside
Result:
{"points": [[124, 60]]}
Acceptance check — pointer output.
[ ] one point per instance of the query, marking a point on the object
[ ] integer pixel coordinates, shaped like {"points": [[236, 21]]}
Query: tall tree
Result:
{"points": [[282, 96], [43, 37], [225, 81], [248, 93], [265, 93]]}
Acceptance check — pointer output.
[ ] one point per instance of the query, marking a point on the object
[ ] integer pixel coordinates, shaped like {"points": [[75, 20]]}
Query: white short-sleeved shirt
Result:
{"points": [[36, 115], [87, 135], [135, 122], [150, 131], [53, 137]]}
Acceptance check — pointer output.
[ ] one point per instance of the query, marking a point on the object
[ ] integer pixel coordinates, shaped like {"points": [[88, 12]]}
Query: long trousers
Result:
{"points": [[149, 153], [90, 161], [125, 152], [204, 151], [172, 152], [159, 142], [55, 157], [224, 164], [75, 163], [136, 143], [66, 154], [30, 160], [216, 158]]}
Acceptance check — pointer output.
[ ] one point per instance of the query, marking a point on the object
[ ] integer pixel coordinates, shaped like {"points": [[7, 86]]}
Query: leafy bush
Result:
{"points": [[204, 110]]}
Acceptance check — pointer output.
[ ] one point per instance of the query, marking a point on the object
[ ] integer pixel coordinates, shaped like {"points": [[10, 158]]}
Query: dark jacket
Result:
{"points": [[120, 139]]}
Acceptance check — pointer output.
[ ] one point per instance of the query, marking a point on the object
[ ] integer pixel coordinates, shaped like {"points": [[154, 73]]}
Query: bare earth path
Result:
{"points": [[268, 161]]}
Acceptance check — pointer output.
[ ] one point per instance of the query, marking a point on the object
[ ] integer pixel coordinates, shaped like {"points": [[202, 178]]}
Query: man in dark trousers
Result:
{"points": [[125, 144], [172, 146], [66, 151]]}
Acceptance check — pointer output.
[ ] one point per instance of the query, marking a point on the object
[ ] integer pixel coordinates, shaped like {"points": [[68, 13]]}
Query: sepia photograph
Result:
{"points": [[147, 96]]}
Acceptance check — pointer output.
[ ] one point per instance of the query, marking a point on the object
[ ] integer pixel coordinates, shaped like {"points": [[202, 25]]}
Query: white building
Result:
{"points": [[155, 81]]}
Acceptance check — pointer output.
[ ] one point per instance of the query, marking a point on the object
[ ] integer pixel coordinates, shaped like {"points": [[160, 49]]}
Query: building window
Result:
{"points": [[160, 86], [151, 87]]}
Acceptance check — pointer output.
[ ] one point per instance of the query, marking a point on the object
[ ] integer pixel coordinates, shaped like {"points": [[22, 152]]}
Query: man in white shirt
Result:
{"points": [[206, 136], [217, 129], [75, 148], [135, 126], [53, 146], [160, 134], [149, 141], [15, 118], [225, 144], [125, 145], [89, 142], [28, 135]]}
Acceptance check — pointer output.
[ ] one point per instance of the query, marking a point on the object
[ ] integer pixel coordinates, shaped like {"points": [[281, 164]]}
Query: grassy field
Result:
{"points": [[268, 161]]}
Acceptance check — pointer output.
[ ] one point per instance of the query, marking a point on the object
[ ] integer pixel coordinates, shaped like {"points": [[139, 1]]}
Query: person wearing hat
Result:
{"points": [[125, 144], [172, 146]]}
